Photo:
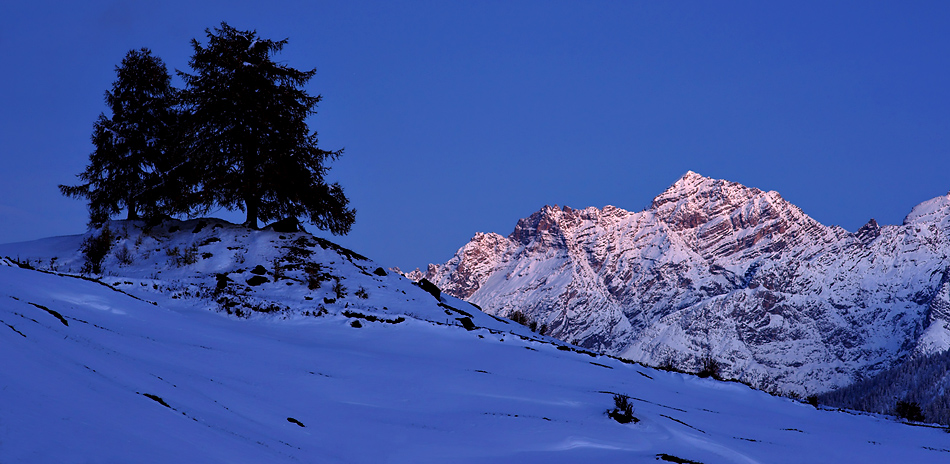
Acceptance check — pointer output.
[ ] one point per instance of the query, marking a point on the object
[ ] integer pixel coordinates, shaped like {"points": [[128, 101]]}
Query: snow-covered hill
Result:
{"points": [[147, 365], [714, 270], [229, 268]]}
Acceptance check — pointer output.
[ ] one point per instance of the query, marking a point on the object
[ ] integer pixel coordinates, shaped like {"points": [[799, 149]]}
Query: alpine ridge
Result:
{"points": [[714, 270]]}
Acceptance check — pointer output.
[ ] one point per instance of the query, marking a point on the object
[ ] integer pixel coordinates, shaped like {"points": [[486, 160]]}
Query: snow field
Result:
{"points": [[408, 392]]}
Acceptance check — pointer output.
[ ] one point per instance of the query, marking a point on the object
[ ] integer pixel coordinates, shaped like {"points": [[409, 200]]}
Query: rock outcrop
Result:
{"points": [[716, 270]]}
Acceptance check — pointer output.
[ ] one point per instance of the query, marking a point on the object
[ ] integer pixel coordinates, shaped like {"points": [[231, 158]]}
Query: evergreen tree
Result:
{"points": [[250, 143], [132, 147], [909, 410]]}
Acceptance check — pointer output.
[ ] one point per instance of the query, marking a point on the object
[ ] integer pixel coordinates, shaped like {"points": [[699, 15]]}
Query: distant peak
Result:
{"points": [[690, 174], [868, 232], [690, 178], [694, 200], [694, 185]]}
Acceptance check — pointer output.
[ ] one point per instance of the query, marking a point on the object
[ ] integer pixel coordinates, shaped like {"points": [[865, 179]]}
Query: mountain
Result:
{"points": [[714, 271], [203, 341]]}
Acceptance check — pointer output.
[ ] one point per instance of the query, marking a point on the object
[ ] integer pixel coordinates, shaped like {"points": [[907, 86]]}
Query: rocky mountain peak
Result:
{"points": [[933, 210], [868, 232], [541, 227], [688, 184], [717, 269], [720, 218], [694, 200]]}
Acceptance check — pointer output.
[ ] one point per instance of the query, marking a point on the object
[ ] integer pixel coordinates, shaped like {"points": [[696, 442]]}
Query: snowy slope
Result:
{"points": [[94, 374], [717, 270], [229, 268]]}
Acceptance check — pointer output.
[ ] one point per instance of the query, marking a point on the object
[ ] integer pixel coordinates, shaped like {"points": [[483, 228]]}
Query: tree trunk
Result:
{"points": [[251, 198], [251, 204], [133, 214]]}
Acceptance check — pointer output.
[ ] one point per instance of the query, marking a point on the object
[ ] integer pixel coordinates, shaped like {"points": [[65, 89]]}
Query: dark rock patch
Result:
{"points": [[257, 280]]}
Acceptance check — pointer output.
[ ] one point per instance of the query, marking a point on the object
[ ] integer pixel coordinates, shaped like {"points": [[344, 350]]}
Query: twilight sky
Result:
{"points": [[459, 117]]}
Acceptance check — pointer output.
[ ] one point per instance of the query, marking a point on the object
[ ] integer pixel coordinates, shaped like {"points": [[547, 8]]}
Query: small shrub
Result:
{"points": [[95, 248], [711, 368], [668, 365], [623, 410], [183, 257], [361, 293], [909, 410], [339, 289], [315, 275], [296, 254], [267, 308], [124, 256], [519, 317], [812, 400], [320, 311], [313, 282], [190, 256], [278, 268]]}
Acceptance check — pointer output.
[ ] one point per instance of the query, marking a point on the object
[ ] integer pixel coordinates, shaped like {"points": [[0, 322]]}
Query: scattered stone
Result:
{"points": [[259, 270], [287, 225], [257, 280], [467, 323]]}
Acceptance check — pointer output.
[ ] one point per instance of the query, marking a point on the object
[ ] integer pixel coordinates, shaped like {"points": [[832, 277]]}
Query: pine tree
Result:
{"points": [[132, 152], [250, 143]]}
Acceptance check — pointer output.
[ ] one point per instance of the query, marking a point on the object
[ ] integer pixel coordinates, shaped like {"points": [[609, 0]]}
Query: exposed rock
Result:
{"points": [[259, 270], [868, 232], [287, 225], [415, 275], [257, 280], [717, 270]]}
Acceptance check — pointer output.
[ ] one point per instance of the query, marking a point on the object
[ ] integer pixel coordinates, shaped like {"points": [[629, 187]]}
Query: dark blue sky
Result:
{"points": [[459, 117]]}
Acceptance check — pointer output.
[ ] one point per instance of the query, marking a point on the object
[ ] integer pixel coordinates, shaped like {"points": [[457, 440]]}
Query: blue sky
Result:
{"points": [[459, 117]]}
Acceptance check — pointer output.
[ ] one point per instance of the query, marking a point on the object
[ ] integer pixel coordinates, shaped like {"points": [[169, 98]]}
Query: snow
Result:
{"points": [[927, 210], [716, 268], [145, 372]]}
